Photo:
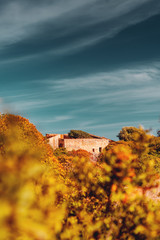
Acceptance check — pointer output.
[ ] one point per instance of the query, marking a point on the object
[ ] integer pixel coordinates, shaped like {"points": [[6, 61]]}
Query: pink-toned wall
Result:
{"points": [[86, 144], [54, 141]]}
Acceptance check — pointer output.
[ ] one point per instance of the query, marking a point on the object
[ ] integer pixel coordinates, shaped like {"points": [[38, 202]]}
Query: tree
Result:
{"points": [[131, 133], [78, 134]]}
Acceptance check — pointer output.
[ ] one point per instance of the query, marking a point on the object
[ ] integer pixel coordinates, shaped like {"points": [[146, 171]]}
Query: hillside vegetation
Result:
{"points": [[46, 195], [79, 134]]}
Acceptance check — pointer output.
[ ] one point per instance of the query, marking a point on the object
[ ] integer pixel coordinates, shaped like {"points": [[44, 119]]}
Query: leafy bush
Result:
{"points": [[131, 133], [80, 153]]}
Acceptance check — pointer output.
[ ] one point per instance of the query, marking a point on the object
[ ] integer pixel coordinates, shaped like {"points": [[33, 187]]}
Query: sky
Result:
{"points": [[91, 65]]}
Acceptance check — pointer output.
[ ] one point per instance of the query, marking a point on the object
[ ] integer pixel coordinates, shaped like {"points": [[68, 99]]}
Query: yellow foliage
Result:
{"points": [[44, 197]]}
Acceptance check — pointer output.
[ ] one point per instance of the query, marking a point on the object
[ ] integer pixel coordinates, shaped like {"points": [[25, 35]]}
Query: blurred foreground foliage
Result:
{"points": [[65, 196]]}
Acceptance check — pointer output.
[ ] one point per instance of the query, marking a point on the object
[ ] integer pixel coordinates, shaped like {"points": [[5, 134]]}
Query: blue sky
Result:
{"points": [[92, 65]]}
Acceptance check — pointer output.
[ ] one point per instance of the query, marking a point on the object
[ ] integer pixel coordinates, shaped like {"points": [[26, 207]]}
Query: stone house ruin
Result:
{"points": [[95, 144]]}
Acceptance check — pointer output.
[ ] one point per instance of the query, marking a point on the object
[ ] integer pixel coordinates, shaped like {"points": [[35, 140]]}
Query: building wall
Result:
{"points": [[90, 145], [54, 141]]}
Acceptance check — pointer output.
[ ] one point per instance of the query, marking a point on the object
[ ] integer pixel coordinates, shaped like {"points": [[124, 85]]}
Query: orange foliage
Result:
{"points": [[14, 128], [75, 198], [80, 153]]}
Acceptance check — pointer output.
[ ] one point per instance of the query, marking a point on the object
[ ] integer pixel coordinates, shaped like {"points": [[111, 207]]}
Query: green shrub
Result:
{"points": [[78, 134]]}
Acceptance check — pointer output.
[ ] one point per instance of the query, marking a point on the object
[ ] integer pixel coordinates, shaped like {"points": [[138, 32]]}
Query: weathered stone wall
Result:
{"points": [[90, 145], [54, 141]]}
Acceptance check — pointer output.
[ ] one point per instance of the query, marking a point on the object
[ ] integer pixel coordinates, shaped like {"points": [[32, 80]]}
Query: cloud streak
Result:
{"points": [[138, 85], [99, 101], [84, 64], [57, 28], [120, 79], [134, 84]]}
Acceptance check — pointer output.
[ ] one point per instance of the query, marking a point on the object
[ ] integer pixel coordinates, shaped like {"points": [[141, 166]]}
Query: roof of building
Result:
{"points": [[66, 135]]}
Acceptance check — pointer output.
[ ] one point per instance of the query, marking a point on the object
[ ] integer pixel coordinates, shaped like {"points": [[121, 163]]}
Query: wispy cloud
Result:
{"points": [[107, 100], [56, 119], [138, 85], [116, 125], [126, 77], [46, 77], [58, 28], [19, 16]]}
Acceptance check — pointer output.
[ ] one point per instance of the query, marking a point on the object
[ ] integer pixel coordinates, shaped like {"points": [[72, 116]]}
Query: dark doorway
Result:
{"points": [[61, 143]]}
